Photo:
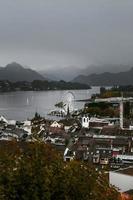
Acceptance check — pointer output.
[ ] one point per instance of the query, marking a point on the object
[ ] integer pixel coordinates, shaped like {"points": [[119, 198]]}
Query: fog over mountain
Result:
{"points": [[106, 78], [70, 72], [58, 34], [18, 72]]}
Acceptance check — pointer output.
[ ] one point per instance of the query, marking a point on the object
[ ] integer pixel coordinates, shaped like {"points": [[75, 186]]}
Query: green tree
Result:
{"points": [[60, 105]]}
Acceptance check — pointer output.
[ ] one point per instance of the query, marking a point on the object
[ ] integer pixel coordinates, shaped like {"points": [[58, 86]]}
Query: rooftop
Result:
{"points": [[127, 171]]}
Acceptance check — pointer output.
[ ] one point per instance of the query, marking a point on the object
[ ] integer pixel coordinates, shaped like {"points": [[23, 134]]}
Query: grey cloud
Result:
{"points": [[50, 33]]}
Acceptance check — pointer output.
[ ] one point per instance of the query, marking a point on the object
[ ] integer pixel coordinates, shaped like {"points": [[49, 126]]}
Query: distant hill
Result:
{"points": [[69, 72], [107, 79], [16, 72]]}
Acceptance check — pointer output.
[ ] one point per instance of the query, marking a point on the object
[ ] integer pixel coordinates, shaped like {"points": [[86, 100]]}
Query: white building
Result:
{"points": [[55, 124], [3, 119], [68, 155], [122, 179], [125, 158], [85, 122], [27, 126], [12, 122]]}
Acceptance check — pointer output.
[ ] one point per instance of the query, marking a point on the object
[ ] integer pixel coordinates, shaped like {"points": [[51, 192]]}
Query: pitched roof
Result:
{"points": [[127, 171]]}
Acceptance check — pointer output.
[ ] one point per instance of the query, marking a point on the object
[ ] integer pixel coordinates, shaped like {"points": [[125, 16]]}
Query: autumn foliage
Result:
{"points": [[35, 171]]}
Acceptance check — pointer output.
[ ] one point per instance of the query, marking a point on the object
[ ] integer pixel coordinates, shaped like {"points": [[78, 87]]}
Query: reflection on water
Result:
{"points": [[23, 105]]}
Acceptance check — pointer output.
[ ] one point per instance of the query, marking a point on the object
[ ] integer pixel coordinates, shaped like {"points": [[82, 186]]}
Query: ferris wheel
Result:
{"points": [[68, 101]]}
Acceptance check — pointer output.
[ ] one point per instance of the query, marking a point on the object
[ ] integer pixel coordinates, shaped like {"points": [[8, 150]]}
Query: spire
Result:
{"points": [[68, 111]]}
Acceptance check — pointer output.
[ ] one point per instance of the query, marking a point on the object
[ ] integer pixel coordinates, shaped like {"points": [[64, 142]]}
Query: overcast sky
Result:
{"points": [[51, 33]]}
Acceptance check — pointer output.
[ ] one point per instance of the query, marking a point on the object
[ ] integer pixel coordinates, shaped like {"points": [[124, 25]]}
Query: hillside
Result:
{"points": [[68, 73], [107, 79], [15, 72]]}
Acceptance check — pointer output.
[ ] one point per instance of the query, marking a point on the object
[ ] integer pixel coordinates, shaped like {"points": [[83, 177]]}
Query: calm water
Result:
{"points": [[23, 105]]}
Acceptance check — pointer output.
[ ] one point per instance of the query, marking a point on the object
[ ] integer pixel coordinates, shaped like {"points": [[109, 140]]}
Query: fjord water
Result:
{"points": [[23, 105]]}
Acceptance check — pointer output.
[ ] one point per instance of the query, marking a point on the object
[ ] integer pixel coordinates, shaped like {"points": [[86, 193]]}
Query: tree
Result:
{"points": [[37, 116], [60, 105], [36, 171]]}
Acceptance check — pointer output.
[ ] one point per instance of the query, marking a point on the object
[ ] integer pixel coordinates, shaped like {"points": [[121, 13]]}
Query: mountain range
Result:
{"points": [[16, 72], [68, 73], [106, 78]]}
